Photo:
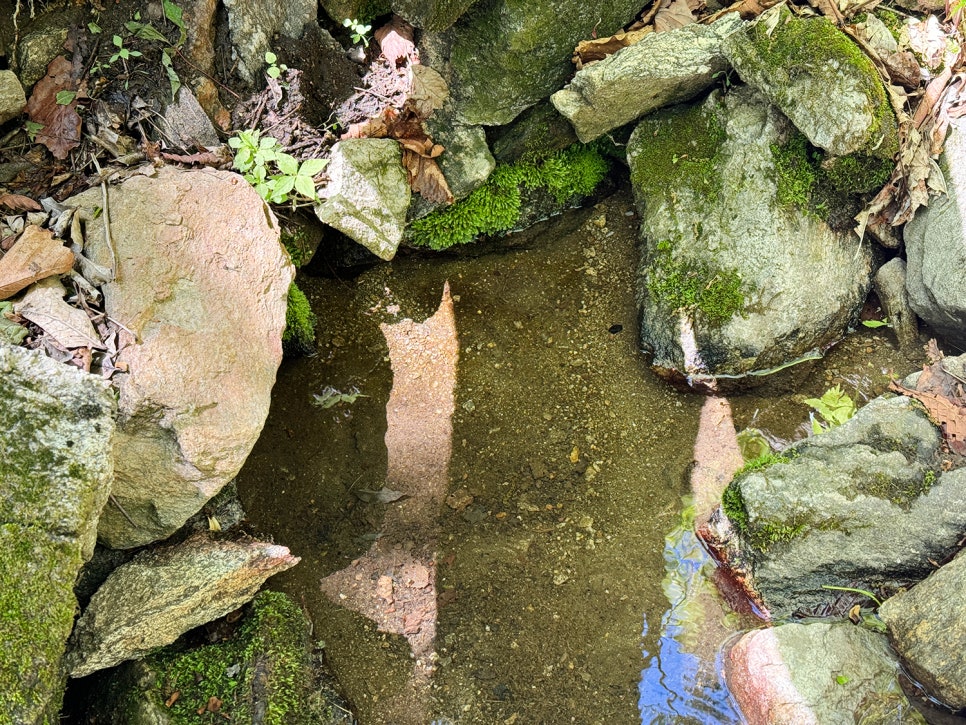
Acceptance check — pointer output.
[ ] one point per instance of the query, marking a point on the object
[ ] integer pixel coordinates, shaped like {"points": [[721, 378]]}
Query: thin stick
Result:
{"points": [[121, 509], [107, 221]]}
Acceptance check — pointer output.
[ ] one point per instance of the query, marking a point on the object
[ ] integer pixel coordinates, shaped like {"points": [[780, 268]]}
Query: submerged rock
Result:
{"points": [[734, 280], [936, 249], [368, 194], [819, 672], [201, 288], [505, 55], [661, 69], [860, 505], [929, 633], [161, 594], [820, 79], [55, 477]]}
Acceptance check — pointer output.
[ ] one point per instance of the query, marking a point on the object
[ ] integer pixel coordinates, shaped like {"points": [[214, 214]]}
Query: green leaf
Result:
{"points": [[306, 187], [842, 680], [65, 98], [94, 28], [117, 41], [287, 164], [310, 167], [270, 57], [284, 184], [273, 71], [145, 31], [876, 323], [269, 142], [174, 14], [235, 142], [173, 78], [33, 128]]}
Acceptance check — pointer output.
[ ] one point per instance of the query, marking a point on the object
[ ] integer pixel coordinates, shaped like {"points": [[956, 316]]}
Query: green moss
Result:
{"points": [[682, 146], [761, 463], [892, 21], [699, 287], [733, 506], [767, 535], [796, 166], [857, 174], [495, 207], [901, 492], [267, 655], [300, 322], [36, 616], [794, 43]]}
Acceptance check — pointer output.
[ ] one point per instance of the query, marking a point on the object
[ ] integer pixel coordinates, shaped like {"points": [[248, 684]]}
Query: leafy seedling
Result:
{"points": [[274, 69], [274, 173], [360, 32], [876, 323], [834, 407]]}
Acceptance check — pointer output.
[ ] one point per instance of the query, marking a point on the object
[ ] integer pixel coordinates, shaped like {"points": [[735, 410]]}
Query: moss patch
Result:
{"points": [[36, 615], [715, 294], [901, 492], [267, 655], [299, 335], [495, 207], [682, 147]]}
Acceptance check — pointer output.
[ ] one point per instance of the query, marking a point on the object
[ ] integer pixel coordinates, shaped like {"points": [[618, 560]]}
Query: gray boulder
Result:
{"points": [[253, 24], [55, 477], [660, 70], [467, 161], [161, 594], [201, 287], [929, 632], [368, 194], [505, 55], [936, 249], [12, 98], [861, 505], [820, 79], [535, 134], [890, 286], [733, 282], [832, 673]]}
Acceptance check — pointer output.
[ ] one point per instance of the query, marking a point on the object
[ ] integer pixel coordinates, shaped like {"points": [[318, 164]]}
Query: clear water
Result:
{"points": [[567, 585]]}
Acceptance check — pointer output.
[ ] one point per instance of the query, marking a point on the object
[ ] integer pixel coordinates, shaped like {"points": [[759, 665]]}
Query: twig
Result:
{"points": [[120, 508], [377, 95], [107, 222]]}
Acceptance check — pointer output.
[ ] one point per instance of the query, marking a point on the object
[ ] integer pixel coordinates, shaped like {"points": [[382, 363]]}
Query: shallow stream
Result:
{"points": [[563, 579]]}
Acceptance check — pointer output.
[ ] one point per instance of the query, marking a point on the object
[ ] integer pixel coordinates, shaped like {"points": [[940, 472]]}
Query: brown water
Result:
{"points": [[569, 464]]}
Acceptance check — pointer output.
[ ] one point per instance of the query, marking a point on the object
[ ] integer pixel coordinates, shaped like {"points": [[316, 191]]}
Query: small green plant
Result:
{"points": [[360, 32], [277, 176], [863, 592], [275, 69], [122, 53], [834, 407], [878, 323]]}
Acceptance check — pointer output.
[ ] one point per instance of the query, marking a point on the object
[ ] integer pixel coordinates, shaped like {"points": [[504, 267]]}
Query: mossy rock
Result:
{"points": [[508, 54], [263, 672], [299, 334], [820, 79], [431, 15]]}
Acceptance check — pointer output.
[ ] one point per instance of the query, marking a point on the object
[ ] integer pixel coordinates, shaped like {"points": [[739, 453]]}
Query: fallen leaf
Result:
{"points": [[10, 331], [44, 305], [61, 124], [588, 51], [18, 202], [426, 178], [396, 40], [429, 91], [383, 495], [676, 15], [35, 256]]}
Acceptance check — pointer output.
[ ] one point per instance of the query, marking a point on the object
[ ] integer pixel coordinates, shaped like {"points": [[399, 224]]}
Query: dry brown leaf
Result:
{"points": [[34, 256], [429, 91], [676, 15], [44, 305], [396, 40], [588, 51], [426, 178], [19, 202], [61, 124], [944, 396]]}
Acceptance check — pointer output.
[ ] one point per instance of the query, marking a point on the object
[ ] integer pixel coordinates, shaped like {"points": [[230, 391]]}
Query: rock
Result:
{"points": [[368, 194], [535, 133], [820, 79], [186, 125], [506, 55], [253, 23], [662, 69], [202, 283], [12, 98], [936, 249], [929, 632], [431, 15], [43, 40], [266, 661], [860, 505], [467, 161], [733, 281], [161, 594], [819, 672], [55, 476], [890, 286]]}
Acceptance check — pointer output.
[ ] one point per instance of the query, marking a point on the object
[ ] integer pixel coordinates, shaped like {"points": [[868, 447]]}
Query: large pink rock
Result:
{"points": [[201, 284]]}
